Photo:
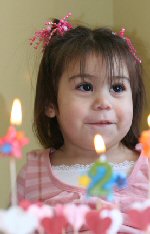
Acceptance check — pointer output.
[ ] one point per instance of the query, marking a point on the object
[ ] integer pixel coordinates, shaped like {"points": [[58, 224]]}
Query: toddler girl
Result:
{"points": [[89, 82]]}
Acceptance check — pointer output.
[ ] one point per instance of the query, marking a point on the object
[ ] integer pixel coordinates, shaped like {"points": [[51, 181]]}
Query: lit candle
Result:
{"points": [[101, 173], [101, 179], [85, 180], [145, 141], [11, 145]]}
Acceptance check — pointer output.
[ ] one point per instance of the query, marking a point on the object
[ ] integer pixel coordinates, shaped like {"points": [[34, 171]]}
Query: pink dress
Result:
{"points": [[36, 181]]}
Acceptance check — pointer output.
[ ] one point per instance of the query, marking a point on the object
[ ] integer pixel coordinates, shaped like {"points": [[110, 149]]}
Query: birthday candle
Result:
{"points": [[101, 179], [145, 141], [100, 173], [11, 145]]}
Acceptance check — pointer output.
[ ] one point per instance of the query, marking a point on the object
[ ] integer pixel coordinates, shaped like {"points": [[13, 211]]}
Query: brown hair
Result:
{"points": [[75, 44]]}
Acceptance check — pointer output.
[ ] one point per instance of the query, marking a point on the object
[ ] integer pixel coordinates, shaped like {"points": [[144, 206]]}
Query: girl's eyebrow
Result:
{"points": [[121, 77], [92, 77], [83, 75]]}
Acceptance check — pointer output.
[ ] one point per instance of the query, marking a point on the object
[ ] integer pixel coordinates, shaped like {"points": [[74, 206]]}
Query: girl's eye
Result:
{"points": [[118, 88], [87, 87]]}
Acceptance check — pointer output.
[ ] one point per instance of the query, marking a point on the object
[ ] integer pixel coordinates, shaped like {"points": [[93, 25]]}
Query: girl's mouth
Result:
{"points": [[102, 122]]}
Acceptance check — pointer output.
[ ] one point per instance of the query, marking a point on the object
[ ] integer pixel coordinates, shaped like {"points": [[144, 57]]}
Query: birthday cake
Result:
{"points": [[28, 218]]}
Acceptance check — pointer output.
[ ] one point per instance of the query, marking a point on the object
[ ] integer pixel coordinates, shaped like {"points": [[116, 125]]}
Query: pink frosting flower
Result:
{"points": [[11, 145]]}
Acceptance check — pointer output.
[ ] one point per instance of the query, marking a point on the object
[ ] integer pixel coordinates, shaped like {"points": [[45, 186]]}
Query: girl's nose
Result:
{"points": [[102, 102]]}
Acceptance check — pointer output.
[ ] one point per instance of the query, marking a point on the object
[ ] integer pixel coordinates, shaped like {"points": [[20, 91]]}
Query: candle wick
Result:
{"points": [[103, 158]]}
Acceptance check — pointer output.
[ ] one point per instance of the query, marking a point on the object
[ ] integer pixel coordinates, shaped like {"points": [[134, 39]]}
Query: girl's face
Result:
{"points": [[90, 105]]}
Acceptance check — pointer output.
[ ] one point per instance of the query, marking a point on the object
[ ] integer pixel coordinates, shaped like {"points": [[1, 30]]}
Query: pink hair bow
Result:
{"points": [[45, 35], [132, 49]]}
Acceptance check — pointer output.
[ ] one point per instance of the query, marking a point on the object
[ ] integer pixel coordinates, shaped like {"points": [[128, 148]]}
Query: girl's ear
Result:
{"points": [[50, 111]]}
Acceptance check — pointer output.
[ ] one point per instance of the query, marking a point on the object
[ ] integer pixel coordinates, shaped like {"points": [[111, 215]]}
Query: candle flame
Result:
{"points": [[148, 120], [99, 144], [16, 113]]}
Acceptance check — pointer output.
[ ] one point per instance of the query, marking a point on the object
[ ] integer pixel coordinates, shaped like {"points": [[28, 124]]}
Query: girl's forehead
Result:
{"points": [[96, 64]]}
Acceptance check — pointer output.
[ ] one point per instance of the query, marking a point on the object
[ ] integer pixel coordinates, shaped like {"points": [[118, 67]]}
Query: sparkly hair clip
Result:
{"points": [[45, 35], [131, 47]]}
